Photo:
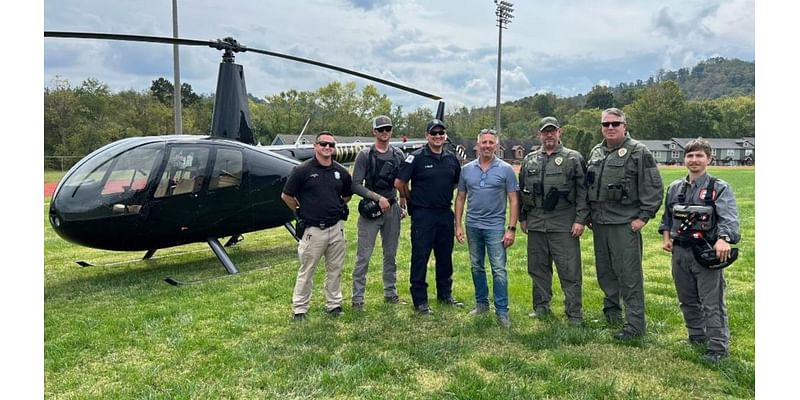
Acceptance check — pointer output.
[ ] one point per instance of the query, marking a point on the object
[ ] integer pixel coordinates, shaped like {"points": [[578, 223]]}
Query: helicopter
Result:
{"points": [[154, 192]]}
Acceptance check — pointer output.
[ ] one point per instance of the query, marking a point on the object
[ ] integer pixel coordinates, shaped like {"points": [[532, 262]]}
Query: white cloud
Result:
{"points": [[447, 47]]}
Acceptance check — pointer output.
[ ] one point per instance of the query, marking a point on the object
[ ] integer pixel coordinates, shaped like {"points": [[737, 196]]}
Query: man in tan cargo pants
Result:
{"points": [[318, 190]]}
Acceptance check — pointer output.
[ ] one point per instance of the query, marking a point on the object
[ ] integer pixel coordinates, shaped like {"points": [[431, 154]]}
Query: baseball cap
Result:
{"points": [[434, 123], [548, 121], [380, 121]]}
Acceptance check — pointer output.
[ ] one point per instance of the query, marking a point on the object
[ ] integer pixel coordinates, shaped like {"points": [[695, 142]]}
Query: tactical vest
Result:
{"points": [[543, 176], [381, 173], [696, 221], [606, 178]]}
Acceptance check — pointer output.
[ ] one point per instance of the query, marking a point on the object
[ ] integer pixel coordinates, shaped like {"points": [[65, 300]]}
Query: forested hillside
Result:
{"points": [[713, 99]]}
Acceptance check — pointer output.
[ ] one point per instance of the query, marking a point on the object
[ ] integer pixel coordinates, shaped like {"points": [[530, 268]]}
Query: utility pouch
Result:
{"points": [[538, 189], [551, 199], [386, 175], [300, 228], [614, 191], [589, 178]]}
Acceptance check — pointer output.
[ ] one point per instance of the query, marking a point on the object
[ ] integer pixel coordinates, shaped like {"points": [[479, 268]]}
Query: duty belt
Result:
{"points": [[322, 224]]}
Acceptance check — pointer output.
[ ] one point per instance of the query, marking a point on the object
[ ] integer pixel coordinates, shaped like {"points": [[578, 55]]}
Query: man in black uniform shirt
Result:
{"points": [[433, 173], [318, 190]]}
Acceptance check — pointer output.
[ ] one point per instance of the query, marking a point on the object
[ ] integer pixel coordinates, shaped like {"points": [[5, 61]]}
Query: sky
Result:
{"points": [[444, 47]]}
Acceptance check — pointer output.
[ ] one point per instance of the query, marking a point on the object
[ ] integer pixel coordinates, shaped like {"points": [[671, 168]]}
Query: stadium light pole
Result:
{"points": [[503, 13], [177, 71]]}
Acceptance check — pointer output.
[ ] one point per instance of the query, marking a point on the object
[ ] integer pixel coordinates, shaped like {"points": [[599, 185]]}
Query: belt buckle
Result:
{"points": [[321, 225]]}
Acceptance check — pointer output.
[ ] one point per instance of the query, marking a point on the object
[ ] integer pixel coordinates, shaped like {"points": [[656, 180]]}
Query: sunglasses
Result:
{"points": [[437, 133], [614, 124], [384, 129], [327, 144]]}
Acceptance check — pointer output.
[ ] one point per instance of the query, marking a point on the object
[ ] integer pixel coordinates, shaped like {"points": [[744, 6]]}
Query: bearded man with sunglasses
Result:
{"points": [[433, 172], [625, 191], [318, 191]]}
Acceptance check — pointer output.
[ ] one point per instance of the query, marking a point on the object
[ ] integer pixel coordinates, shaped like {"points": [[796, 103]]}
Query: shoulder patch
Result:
{"points": [[410, 158]]}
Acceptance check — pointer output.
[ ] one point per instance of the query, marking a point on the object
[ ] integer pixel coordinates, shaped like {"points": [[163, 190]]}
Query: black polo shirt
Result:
{"points": [[432, 176], [319, 189]]}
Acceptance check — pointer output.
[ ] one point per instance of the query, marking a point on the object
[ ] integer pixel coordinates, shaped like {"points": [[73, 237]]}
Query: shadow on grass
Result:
{"points": [[143, 274]]}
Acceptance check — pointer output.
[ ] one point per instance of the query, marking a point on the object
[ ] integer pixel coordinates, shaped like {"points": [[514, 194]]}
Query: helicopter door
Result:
{"points": [[225, 209], [178, 195]]}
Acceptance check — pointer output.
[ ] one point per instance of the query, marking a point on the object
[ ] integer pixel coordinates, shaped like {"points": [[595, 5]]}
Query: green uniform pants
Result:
{"points": [[561, 247], [618, 258]]}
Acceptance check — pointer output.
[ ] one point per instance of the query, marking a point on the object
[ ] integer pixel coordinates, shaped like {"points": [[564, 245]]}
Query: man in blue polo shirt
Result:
{"points": [[433, 173], [485, 184]]}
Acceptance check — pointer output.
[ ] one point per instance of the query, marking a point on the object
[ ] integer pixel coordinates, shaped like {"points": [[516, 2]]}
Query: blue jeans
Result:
{"points": [[481, 242]]}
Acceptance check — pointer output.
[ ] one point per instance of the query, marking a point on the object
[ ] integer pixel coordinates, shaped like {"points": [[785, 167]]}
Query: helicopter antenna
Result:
{"points": [[230, 46], [297, 142]]}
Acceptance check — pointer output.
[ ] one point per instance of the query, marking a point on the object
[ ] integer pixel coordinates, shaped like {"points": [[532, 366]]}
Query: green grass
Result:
{"points": [[121, 332]]}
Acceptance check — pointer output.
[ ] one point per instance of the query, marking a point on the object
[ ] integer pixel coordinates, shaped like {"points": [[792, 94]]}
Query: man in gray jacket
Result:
{"points": [[701, 211], [373, 179]]}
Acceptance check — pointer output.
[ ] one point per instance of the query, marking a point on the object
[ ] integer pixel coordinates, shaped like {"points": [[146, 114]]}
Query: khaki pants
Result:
{"points": [[314, 244]]}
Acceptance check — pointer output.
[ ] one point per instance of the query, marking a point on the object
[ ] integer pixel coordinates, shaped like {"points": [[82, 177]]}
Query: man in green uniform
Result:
{"points": [[625, 192], [553, 214]]}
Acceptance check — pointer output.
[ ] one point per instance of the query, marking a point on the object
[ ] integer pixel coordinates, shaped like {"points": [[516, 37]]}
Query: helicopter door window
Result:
{"points": [[184, 173], [227, 169]]}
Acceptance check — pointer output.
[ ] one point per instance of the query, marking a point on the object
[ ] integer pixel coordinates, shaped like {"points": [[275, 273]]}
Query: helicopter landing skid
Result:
{"points": [[223, 258], [234, 240]]}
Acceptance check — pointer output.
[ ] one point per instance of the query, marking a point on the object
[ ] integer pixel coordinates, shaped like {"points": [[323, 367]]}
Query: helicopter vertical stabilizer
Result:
{"points": [[231, 118]]}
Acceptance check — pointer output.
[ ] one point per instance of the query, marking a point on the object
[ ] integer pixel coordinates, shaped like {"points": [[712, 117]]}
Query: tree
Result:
{"points": [[737, 116], [701, 119], [163, 90], [544, 104], [658, 113], [188, 96], [63, 116], [600, 97]]}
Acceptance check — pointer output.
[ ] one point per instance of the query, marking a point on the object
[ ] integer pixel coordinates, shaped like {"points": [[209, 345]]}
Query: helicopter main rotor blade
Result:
{"points": [[227, 45]]}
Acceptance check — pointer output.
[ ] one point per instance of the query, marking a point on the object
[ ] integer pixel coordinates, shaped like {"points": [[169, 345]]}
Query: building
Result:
{"points": [[724, 151]]}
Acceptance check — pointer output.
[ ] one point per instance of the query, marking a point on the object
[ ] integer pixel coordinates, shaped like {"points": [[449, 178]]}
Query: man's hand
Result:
{"points": [[384, 203], [723, 249], [508, 238], [459, 233], [667, 245], [577, 230], [637, 224], [403, 207]]}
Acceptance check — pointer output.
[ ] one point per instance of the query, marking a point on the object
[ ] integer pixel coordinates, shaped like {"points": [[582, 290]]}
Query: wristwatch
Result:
{"points": [[512, 228], [726, 238]]}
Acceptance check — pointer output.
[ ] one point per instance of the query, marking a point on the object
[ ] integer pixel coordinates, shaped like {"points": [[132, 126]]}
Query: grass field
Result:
{"points": [[119, 331]]}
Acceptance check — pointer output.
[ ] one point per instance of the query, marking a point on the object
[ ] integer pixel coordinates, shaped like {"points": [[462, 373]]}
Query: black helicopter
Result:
{"points": [[154, 192]]}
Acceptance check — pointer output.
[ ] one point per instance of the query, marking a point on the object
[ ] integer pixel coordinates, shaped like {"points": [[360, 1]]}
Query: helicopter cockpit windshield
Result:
{"points": [[110, 180]]}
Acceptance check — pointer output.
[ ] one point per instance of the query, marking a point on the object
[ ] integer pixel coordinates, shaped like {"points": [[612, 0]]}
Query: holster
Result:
{"points": [[551, 200]]}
